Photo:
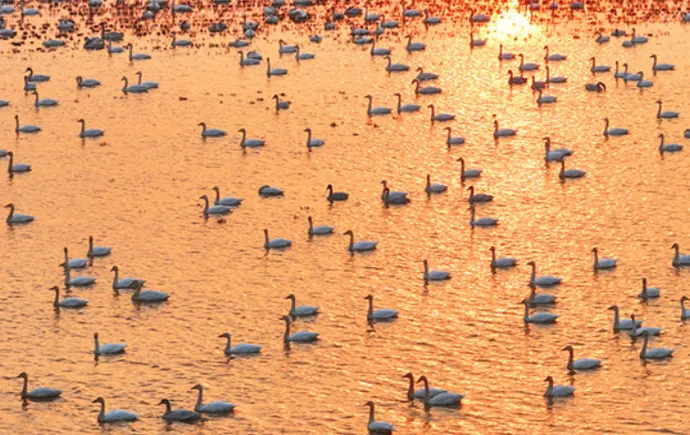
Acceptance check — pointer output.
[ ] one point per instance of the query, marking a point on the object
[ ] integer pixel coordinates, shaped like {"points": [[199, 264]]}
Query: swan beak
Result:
{"points": [[61, 265]]}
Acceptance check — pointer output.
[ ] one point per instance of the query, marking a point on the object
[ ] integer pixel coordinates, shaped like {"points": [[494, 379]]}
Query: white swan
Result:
{"points": [[377, 426], [502, 132], [248, 61], [601, 39], [275, 243], [134, 89], [183, 415], [239, 349], [301, 310], [407, 107], [420, 393], [107, 348], [478, 197], [445, 399], [654, 353], [536, 299], [336, 196], [684, 312], [476, 42], [598, 68], [91, 132], [434, 275], [553, 57], [281, 105], [97, 251], [267, 191], [613, 131], [214, 209], [622, 324], [77, 281], [114, 415], [124, 282], [434, 187], [17, 218], [274, 71], [667, 114], [379, 51], [41, 393], [137, 56], [210, 132], [414, 46], [147, 296], [45, 102], [604, 263], [426, 90], [303, 56], [395, 67], [645, 330], [389, 198], [250, 143], [540, 318], [147, 84], [642, 83], [527, 66], [581, 363], [542, 281], [545, 99], [678, 259], [425, 76], [319, 230], [284, 48], [554, 155], [501, 263], [313, 142], [16, 168], [453, 140], [504, 55], [67, 302], [481, 222], [74, 263], [595, 87], [380, 315], [661, 66], [361, 246], [24, 128], [180, 42], [557, 390], [648, 292], [216, 407], [299, 336], [376, 111], [630, 77], [36, 78], [441, 117], [227, 201], [468, 173]]}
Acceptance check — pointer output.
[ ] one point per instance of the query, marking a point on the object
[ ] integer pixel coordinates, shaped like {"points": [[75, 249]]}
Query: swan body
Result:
{"points": [[539, 318], [642, 331], [180, 42], [468, 173], [227, 201], [481, 222], [613, 131], [377, 110], [396, 67], [318, 230], [661, 66], [250, 143], [434, 275], [87, 83], [17, 218], [114, 415], [420, 393], [211, 132], [414, 46], [41, 393], [214, 209], [622, 324], [603, 263], [479, 18], [542, 281], [336, 196], [678, 259], [598, 68], [183, 415], [107, 348], [425, 76], [654, 353], [16, 168], [648, 292], [124, 282], [501, 263], [595, 87], [379, 315], [89, 133], [147, 296], [274, 71], [25, 128], [407, 107], [377, 426], [267, 191], [582, 363], [300, 336], [527, 66], [557, 390], [97, 251], [445, 399], [216, 407], [275, 243], [453, 140], [67, 302], [239, 349], [301, 310], [361, 246]]}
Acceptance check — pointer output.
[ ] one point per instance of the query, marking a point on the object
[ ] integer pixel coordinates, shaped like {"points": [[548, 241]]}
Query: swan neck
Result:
{"points": [[596, 258], [371, 414], [370, 313], [410, 388], [56, 302], [526, 312], [287, 331], [26, 385], [97, 346], [101, 414], [228, 346], [643, 352], [200, 399], [116, 277], [616, 320], [292, 300], [549, 389], [352, 241]]}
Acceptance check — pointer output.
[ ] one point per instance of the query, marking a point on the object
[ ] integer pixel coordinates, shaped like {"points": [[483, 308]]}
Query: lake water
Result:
{"points": [[137, 188]]}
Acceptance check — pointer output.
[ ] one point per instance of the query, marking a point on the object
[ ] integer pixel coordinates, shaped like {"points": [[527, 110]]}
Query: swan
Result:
{"points": [[16, 168], [504, 55], [239, 349], [124, 282], [107, 348], [557, 390], [214, 209], [620, 74], [313, 142], [545, 99], [478, 197], [110, 36], [281, 105], [299, 336], [669, 148], [468, 173], [36, 78], [622, 324], [303, 56], [147, 85], [301, 310], [582, 363], [183, 415], [284, 48], [274, 71], [425, 76], [17, 218], [395, 67], [527, 66], [379, 51], [87, 83], [267, 191], [598, 68], [248, 61], [595, 87], [275, 243], [216, 407], [74, 263], [434, 275], [553, 57], [138, 56], [536, 299], [604, 263], [642, 83], [377, 426], [666, 114], [380, 315], [453, 140], [24, 128], [537, 85], [515, 80], [618, 33], [542, 281], [645, 330], [678, 259], [426, 90], [648, 292], [684, 312], [41, 393], [94, 43], [556, 155], [97, 251], [250, 143], [115, 415], [227, 201], [210, 132], [320, 230], [655, 352], [77, 281], [406, 107], [478, 18], [389, 198], [684, 17], [613, 131], [239, 43], [441, 117], [361, 246], [445, 399], [435, 187], [601, 39], [686, 133], [414, 46], [570, 173], [476, 42], [661, 66], [540, 318], [114, 49], [630, 77], [134, 89], [501, 263], [503, 132], [91, 132], [420, 393], [45, 102], [147, 295], [429, 20], [180, 42], [377, 110], [481, 222], [4, 103], [336, 196], [28, 86], [638, 39], [67, 302]]}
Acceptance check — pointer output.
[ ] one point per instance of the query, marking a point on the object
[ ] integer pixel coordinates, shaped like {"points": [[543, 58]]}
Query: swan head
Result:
{"points": [[307, 130], [123, 79], [569, 348], [653, 56], [202, 124], [11, 154], [369, 297], [23, 375], [532, 263], [29, 70], [114, 269], [422, 379], [384, 182], [408, 375], [165, 402], [549, 379], [54, 288], [595, 250], [644, 282], [197, 387], [461, 160], [286, 318], [348, 233], [492, 249], [204, 197], [95, 335], [613, 308], [397, 94], [683, 299], [329, 187], [430, 106], [224, 335], [370, 404], [674, 246], [216, 188], [369, 97], [291, 296], [242, 130], [310, 221], [632, 317], [420, 69], [99, 400], [275, 97], [601, 85]]}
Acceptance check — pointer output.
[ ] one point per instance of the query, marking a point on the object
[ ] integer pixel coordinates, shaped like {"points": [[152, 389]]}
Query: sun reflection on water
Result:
{"points": [[512, 23]]}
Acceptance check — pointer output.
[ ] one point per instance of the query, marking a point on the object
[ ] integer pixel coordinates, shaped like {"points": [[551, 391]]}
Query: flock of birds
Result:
{"points": [[222, 206]]}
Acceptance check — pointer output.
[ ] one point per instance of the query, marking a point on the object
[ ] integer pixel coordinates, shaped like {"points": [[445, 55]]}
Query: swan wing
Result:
{"points": [[304, 336], [218, 407], [44, 392], [119, 415], [586, 363], [305, 310], [385, 313], [420, 394], [246, 348], [446, 399]]}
